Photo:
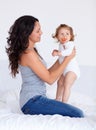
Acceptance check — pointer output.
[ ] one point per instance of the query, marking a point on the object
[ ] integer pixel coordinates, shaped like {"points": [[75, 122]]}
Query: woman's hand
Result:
{"points": [[72, 55]]}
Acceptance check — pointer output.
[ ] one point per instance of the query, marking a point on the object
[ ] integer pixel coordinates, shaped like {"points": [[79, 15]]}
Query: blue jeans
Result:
{"points": [[43, 105]]}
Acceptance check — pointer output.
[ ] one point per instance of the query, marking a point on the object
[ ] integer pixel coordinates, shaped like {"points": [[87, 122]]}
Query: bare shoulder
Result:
{"points": [[33, 61], [28, 57]]}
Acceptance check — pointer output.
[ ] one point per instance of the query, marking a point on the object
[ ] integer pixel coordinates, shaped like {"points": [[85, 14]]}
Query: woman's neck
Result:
{"points": [[31, 45], [32, 48]]}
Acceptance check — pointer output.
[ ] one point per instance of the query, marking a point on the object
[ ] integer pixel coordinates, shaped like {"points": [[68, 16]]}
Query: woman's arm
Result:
{"points": [[47, 75]]}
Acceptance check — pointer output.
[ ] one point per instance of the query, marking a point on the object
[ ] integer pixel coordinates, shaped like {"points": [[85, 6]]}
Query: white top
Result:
{"points": [[66, 50]]}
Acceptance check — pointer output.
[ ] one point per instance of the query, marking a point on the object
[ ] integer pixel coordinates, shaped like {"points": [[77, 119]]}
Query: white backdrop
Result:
{"points": [[80, 14]]}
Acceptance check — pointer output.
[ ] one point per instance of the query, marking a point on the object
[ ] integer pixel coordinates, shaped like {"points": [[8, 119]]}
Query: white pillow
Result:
{"points": [[82, 101], [11, 99], [4, 108]]}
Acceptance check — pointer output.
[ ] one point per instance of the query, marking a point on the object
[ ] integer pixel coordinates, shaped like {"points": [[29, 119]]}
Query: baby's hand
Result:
{"points": [[55, 53]]}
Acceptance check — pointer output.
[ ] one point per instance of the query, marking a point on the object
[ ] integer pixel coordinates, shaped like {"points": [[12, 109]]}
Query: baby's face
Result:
{"points": [[64, 35]]}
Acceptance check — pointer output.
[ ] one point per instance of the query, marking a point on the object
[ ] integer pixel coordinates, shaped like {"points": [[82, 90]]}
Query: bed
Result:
{"points": [[11, 117]]}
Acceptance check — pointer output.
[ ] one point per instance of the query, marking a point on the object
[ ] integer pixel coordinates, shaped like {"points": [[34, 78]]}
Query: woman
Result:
{"points": [[23, 35]]}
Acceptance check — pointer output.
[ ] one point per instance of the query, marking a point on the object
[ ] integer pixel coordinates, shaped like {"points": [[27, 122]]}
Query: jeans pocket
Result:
{"points": [[28, 107]]}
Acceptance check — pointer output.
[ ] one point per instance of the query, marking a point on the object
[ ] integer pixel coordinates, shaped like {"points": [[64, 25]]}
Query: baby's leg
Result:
{"points": [[60, 88], [69, 80]]}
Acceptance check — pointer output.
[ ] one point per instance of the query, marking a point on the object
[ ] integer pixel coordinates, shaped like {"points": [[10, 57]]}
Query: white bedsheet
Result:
{"points": [[11, 118], [12, 121]]}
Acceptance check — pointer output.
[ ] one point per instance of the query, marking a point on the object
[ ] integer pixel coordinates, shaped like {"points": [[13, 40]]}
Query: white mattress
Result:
{"points": [[11, 118]]}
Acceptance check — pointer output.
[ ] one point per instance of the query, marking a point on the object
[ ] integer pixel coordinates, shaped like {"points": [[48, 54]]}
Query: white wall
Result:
{"points": [[80, 14]]}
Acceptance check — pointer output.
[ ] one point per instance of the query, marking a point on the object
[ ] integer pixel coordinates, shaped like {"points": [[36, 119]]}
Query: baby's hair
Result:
{"points": [[64, 26]]}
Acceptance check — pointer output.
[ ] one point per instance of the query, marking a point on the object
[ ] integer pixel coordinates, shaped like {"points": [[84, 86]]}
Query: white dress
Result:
{"points": [[66, 50]]}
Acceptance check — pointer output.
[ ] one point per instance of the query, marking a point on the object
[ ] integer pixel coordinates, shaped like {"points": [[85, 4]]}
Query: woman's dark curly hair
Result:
{"points": [[18, 40]]}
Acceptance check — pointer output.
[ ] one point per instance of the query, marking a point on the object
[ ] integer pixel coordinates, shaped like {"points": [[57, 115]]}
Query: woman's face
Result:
{"points": [[35, 36]]}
